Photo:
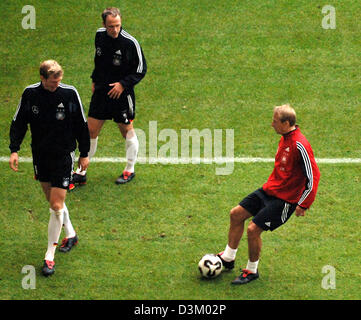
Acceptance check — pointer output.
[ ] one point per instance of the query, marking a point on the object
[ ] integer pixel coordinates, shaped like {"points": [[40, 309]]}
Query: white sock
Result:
{"points": [[93, 147], [54, 230], [252, 266], [229, 254], [68, 227], [132, 146], [92, 150]]}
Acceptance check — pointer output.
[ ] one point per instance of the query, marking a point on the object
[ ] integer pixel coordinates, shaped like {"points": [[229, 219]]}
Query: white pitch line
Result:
{"points": [[146, 160]]}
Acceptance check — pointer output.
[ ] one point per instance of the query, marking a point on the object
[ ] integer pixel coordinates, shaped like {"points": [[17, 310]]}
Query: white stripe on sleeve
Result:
{"points": [[19, 105], [66, 86], [308, 168], [137, 46]]}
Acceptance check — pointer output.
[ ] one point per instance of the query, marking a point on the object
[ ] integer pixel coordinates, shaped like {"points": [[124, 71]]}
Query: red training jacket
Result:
{"points": [[295, 176]]}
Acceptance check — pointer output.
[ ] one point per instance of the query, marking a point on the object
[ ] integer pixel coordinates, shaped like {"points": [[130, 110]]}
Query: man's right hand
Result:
{"points": [[14, 161], [93, 87], [83, 163]]}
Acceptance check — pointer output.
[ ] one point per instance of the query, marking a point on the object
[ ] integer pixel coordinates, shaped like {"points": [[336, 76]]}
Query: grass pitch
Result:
{"points": [[211, 65]]}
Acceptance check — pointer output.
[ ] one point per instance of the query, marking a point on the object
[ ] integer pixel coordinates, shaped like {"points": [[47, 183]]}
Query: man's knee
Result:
{"points": [[253, 230], [93, 132], [94, 126], [54, 202], [57, 198], [239, 214], [56, 205], [126, 130]]}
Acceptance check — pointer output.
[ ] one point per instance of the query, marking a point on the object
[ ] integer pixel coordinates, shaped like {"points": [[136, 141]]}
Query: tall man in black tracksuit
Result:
{"points": [[119, 66], [57, 122]]}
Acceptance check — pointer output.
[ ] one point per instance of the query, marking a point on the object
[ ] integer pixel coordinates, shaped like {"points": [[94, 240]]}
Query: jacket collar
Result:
{"points": [[292, 132]]}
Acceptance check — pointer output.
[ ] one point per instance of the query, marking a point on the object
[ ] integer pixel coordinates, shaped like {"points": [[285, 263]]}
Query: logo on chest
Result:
{"points": [[117, 58], [60, 112], [284, 155], [35, 109], [284, 158]]}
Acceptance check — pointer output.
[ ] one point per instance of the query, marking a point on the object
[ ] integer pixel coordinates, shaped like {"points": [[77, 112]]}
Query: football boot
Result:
{"points": [[79, 178], [245, 277], [229, 265], [68, 243], [125, 177], [48, 268]]}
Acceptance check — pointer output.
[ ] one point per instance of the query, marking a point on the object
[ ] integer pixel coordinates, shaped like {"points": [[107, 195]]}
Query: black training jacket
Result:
{"points": [[117, 60], [57, 121]]}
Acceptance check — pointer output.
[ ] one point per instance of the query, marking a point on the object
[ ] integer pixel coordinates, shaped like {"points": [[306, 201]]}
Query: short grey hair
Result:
{"points": [[286, 113]]}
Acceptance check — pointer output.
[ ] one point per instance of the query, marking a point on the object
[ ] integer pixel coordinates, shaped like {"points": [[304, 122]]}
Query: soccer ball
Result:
{"points": [[210, 266]]}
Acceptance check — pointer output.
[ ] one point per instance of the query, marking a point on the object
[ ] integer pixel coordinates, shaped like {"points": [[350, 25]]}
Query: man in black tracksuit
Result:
{"points": [[57, 123], [119, 65]]}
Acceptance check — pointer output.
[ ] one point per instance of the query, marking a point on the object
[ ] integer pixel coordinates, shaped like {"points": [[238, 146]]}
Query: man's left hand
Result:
{"points": [[117, 90]]}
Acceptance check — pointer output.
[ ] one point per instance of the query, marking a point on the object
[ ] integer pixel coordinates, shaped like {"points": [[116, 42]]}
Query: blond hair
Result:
{"points": [[49, 68], [286, 113]]}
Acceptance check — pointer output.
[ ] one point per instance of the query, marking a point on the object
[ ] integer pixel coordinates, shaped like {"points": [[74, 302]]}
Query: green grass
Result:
{"points": [[210, 65], [159, 239]]}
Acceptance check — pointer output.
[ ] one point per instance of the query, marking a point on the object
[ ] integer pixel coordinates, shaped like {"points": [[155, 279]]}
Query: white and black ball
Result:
{"points": [[210, 266]]}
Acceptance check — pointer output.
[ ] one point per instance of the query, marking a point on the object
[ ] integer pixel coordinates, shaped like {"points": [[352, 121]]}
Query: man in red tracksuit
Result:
{"points": [[292, 186]]}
